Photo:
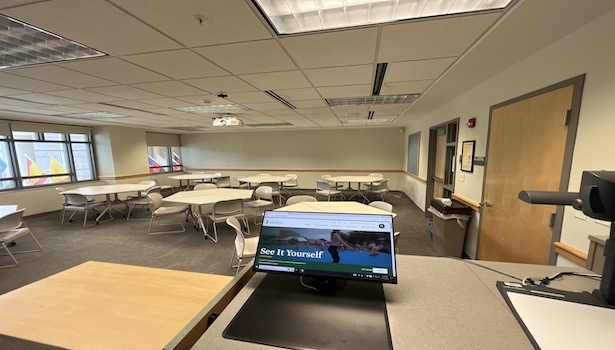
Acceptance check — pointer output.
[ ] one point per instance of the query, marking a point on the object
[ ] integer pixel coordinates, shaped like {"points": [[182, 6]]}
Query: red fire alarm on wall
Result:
{"points": [[471, 122]]}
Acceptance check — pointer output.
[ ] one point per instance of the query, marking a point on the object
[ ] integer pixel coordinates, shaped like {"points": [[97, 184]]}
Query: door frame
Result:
{"points": [[573, 122], [431, 160]]}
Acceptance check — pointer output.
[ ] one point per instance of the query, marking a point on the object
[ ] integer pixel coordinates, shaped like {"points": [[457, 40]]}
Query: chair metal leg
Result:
{"points": [[9, 254], [149, 229]]}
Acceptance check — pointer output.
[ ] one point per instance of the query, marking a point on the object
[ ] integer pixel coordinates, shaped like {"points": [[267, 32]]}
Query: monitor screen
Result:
{"points": [[352, 246]]}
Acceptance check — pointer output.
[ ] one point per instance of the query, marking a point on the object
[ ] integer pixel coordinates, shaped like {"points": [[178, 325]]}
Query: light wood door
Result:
{"points": [[525, 152]]}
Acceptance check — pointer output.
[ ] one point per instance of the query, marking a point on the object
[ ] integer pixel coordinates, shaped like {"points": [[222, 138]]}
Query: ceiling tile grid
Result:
{"points": [[161, 56]]}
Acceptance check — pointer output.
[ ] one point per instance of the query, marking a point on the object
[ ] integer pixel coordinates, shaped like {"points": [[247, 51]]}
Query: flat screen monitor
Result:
{"points": [[345, 246]]}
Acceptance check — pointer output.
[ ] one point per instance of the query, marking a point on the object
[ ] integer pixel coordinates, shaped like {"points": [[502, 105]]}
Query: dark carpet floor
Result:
{"points": [[127, 242]]}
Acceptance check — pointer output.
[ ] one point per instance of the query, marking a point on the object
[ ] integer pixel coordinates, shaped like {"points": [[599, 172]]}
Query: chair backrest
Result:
{"points": [[239, 234], [322, 185], [326, 176], [224, 181], [148, 182], [153, 189], [396, 235], [376, 175], [299, 199], [218, 174], [75, 199], [263, 192], [382, 205], [293, 179], [228, 207], [155, 200], [275, 187], [12, 220], [263, 175], [201, 187]]}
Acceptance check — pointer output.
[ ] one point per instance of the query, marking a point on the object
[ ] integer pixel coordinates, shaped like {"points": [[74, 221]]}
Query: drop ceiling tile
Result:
{"points": [[84, 95], [178, 64], [351, 111], [444, 37], [221, 84], [250, 97], [116, 70], [265, 106], [298, 94], [264, 56], [315, 112], [125, 92], [203, 99], [27, 84], [224, 21], [417, 70], [309, 103], [164, 102], [48, 99], [10, 102], [353, 75], [283, 113], [59, 75], [170, 88], [333, 49], [69, 109], [306, 123], [97, 24], [327, 122], [277, 80], [394, 109], [5, 91], [134, 105], [345, 91], [405, 87]]}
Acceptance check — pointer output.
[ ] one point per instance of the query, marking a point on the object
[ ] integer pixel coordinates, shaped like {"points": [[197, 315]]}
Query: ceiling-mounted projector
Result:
{"points": [[227, 120]]}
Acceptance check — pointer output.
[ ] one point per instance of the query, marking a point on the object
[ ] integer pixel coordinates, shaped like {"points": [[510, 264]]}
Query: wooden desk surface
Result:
{"points": [[99, 305]]}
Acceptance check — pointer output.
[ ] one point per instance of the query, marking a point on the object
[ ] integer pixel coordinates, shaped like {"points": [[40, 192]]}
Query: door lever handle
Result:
{"points": [[485, 204]]}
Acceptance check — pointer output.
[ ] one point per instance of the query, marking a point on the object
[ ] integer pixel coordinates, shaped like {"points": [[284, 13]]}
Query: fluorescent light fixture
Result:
{"points": [[22, 44], [298, 16], [96, 115], [372, 100], [366, 121], [229, 108]]}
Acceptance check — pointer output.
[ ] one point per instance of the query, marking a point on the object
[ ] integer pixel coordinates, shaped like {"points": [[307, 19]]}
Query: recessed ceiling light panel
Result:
{"points": [[22, 44], [298, 16], [228, 108], [372, 100], [96, 115]]}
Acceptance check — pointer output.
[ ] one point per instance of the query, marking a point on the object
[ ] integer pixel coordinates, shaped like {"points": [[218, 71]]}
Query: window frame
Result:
{"points": [[18, 178]]}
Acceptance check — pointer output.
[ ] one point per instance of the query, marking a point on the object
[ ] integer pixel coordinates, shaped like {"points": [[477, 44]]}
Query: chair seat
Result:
{"points": [[9, 236], [171, 210], [328, 192], [258, 203], [249, 250]]}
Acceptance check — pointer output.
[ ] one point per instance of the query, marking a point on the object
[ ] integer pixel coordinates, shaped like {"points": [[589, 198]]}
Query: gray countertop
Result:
{"points": [[438, 303]]}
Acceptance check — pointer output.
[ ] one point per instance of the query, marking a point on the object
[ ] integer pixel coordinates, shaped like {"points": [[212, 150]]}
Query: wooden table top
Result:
{"points": [[99, 305]]}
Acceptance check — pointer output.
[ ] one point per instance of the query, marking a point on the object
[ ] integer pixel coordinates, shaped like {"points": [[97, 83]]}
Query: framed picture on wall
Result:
{"points": [[467, 156]]}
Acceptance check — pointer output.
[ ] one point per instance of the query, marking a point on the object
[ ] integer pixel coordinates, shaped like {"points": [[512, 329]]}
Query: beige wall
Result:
{"points": [[120, 151], [588, 50], [309, 153]]}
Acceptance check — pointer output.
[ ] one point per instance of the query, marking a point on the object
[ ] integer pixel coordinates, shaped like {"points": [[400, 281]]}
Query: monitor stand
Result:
{"points": [[281, 312]]}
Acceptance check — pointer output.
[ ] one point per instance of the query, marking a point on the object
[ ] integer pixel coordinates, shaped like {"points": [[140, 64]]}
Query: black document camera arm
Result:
{"points": [[596, 198]]}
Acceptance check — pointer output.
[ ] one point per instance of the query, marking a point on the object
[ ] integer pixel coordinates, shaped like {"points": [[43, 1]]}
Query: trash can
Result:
{"points": [[450, 219]]}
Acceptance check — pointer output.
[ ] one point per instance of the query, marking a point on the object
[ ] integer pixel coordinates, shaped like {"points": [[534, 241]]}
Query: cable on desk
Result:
{"points": [[538, 281], [488, 268], [306, 286]]}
